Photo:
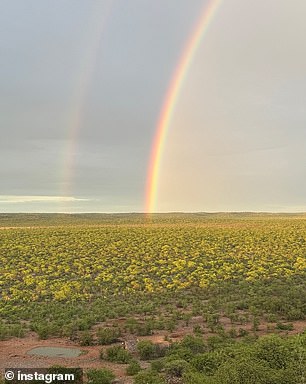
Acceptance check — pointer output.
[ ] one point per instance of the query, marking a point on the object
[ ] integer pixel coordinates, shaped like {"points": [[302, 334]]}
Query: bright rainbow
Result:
{"points": [[171, 99]]}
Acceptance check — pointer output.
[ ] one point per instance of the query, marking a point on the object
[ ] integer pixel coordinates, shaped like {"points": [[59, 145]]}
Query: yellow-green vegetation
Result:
{"points": [[79, 263], [62, 274], [221, 280]]}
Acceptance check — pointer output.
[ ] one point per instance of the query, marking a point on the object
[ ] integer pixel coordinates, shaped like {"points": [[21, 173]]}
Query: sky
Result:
{"points": [[83, 84]]}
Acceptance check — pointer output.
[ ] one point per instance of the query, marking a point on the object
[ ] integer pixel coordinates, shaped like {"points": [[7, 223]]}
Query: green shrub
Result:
{"points": [[146, 350], [84, 324], [232, 333], [131, 325], [242, 332], [100, 376], [133, 368], [284, 327], [295, 314], [158, 365], [274, 351], [176, 367], [177, 351], [215, 342], [86, 338], [43, 332], [11, 330], [195, 344], [107, 335], [206, 363], [118, 354], [148, 377], [159, 324], [191, 377], [246, 371], [271, 317], [170, 325], [144, 329], [45, 329]]}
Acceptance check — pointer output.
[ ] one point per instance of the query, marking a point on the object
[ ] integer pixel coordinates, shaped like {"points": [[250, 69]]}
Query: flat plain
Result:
{"points": [[95, 281]]}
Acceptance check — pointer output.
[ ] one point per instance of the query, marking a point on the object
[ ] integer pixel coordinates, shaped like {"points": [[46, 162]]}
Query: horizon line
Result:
{"points": [[154, 213]]}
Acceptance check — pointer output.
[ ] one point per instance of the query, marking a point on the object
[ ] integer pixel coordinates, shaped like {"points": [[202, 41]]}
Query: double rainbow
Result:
{"points": [[76, 114]]}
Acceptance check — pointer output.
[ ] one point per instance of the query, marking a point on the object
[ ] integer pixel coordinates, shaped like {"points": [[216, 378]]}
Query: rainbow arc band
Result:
{"points": [[75, 116], [170, 101]]}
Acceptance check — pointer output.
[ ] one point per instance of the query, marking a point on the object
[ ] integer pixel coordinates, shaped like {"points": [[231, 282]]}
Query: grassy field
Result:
{"points": [[217, 278]]}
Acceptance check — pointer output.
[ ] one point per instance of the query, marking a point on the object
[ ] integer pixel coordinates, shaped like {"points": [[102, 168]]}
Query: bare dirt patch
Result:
{"points": [[14, 354]]}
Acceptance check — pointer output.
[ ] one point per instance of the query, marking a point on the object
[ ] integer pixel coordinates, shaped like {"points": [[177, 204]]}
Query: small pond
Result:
{"points": [[55, 352]]}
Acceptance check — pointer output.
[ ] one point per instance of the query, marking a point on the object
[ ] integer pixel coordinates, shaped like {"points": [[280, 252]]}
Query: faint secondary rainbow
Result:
{"points": [[170, 100], [75, 116]]}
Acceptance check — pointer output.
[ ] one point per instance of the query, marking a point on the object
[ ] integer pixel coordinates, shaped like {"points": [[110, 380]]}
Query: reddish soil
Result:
{"points": [[13, 354]]}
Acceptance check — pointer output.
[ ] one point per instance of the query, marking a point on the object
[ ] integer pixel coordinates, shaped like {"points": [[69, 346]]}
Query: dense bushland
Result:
{"points": [[223, 279]]}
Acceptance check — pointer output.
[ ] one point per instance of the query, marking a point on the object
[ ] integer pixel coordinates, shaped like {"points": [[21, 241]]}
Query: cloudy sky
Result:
{"points": [[83, 82]]}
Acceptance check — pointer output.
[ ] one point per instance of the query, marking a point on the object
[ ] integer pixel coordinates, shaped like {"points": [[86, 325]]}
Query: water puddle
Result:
{"points": [[55, 352]]}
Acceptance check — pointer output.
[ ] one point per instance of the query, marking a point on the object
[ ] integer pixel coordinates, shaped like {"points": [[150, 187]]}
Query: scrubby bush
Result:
{"points": [[158, 365], [206, 363], [100, 376], [145, 329], [177, 351], [242, 332], [216, 342], [191, 377], [107, 336], [11, 330], [274, 351], [131, 325], [118, 354], [284, 327], [195, 344], [245, 371], [133, 368], [146, 349], [148, 377], [86, 338], [176, 367]]}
